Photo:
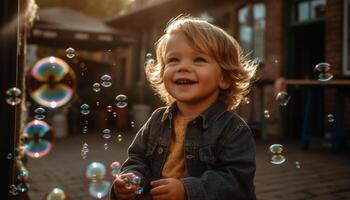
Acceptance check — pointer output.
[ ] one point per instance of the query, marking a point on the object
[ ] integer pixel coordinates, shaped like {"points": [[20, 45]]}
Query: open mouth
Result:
{"points": [[184, 82]]}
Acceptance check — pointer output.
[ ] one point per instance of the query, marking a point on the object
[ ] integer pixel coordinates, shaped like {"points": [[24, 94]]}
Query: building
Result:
{"points": [[288, 37]]}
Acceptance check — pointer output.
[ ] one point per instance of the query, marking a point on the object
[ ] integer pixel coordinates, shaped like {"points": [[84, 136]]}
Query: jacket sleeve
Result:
{"points": [[232, 176], [136, 161]]}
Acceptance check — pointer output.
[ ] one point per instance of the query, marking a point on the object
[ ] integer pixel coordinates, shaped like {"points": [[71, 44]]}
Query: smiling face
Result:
{"points": [[190, 76]]}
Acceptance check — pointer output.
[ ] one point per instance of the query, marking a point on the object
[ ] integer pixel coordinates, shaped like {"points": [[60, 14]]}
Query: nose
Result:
{"points": [[184, 66]]}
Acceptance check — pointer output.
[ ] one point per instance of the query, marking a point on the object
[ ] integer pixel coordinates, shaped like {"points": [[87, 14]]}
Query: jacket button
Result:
{"points": [[160, 150], [189, 156]]}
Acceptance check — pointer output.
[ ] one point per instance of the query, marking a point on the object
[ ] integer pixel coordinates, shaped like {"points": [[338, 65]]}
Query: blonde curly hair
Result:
{"points": [[205, 37]]}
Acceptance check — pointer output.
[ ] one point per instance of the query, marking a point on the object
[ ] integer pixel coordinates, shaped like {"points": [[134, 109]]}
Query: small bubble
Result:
{"points": [[106, 77], [85, 109], [330, 118], [121, 101], [323, 71], [96, 87], [106, 84], [132, 124], [297, 164], [105, 146], [278, 159], [115, 166], [247, 100], [276, 148], [106, 134], [119, 137], [282, 98], [70, 52], [266, 114], [97, 103], [109, 108], [9, 156], [13, 96]]}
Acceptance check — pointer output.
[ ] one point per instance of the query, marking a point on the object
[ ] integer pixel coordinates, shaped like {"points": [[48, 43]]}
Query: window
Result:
{"points": [[346, 38], [251, 20], [304, 11]]}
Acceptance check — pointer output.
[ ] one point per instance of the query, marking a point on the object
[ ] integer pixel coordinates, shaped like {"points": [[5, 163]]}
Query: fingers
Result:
{"points": [[119, 187], [159, 190], [159, 182]]}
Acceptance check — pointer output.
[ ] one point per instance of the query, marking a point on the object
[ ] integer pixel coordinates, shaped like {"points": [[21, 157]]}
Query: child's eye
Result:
{"points": [[172, 60], [200, 59]]}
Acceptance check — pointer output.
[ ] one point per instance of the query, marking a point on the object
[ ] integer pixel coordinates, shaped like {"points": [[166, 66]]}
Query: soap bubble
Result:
{"points": [[23, 176], [38, 136], [51, 82], [13, 96], [85, 109], [57, 194], [121, 101], [99, 189], [330, 118], [95, 171], [282, 98], [266, 114], [109, 108], [115, 168], [276, 148], [96, 87], [323, 71], [119, 137], [39, 113], [278, 159], [70, 52], [22, 187], [106, 133]]}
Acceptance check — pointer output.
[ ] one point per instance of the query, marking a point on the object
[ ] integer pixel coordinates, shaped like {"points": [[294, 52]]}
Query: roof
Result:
{"points": [[58, 26]]}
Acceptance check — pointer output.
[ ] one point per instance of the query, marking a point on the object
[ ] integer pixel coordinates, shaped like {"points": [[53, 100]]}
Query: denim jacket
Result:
{"points": [[219, 152]]}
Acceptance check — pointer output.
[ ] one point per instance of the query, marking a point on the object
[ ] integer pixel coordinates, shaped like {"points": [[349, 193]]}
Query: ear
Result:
{"points": [[224, 84]]}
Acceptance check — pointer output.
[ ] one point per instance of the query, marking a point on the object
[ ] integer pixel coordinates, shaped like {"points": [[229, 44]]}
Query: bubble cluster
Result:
{"points": [[84, 151], [51, 82], [13, 190], [39, 113], [96, 87], [282, 98], [85, 109], [57, 194], [133, 182], [323, 71], [106, 80], [13, 96], [38, 140], [121, 101], [70, 52], [277, 157]]}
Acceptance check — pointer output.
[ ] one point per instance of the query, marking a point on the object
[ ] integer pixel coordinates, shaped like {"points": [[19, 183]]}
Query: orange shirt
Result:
{"points": [[174, 166]]}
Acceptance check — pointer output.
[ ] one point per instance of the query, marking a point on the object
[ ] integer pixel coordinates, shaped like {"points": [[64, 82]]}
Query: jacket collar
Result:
{"points": [[211, 114]]}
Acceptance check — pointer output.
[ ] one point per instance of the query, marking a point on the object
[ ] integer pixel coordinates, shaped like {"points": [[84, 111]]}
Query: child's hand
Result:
{"points": [[119, 189], [168, 189]]}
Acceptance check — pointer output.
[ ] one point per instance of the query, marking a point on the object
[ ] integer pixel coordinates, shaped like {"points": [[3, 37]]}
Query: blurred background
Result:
{"points": [[74, 92]]}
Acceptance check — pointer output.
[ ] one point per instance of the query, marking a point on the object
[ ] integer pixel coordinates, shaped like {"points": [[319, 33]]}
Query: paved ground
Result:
{"points": [[321, 176]]}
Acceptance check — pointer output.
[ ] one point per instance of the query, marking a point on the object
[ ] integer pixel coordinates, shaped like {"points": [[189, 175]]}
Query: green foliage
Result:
{"points": [[94, 8]]}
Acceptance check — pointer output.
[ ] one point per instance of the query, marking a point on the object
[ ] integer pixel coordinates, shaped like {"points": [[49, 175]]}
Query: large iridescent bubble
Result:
{"points": [[38, 138], [99, 189], [51, 82], [95, 171]]}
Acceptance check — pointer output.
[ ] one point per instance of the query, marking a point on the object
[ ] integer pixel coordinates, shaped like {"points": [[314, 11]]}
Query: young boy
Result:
{"points": [[196, 147]]}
